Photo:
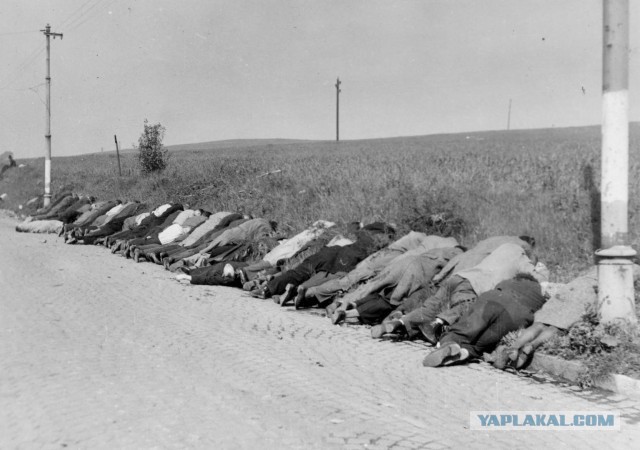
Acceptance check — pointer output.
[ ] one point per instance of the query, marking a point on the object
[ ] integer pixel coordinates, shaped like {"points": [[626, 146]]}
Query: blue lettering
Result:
{"points": [[483, 419], [505, 419], [592, 420], [578, 420], [541, 420], [605, 421], [493, 420], [563, 423], [553, 420], [528, 421]]}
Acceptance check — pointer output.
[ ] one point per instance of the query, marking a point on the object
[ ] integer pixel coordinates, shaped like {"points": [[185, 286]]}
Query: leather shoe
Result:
{"points": [[432, 331], [447, 354]]}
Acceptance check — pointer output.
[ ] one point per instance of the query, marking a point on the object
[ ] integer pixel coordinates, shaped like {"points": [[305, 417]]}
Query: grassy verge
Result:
{"points": [[542, 183]]}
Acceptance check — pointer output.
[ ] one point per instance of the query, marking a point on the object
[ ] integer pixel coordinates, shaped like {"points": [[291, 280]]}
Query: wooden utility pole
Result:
{"points": [[338, 83], [615, 264], [47, 136], [115, 138], [509, 116]]}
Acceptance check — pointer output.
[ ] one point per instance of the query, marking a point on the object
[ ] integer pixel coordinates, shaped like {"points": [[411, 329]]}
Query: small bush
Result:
{"points": [[152, 156]]}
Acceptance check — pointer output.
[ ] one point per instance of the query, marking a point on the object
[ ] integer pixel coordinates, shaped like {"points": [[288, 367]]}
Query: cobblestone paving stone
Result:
{"points": [[97, 351]]}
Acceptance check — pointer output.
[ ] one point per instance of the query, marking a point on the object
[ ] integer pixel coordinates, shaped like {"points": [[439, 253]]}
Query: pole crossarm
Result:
{"points": [[47, 32]]}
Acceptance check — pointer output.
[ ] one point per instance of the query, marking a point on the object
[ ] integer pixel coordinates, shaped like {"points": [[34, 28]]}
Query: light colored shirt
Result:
{"points": [[290, 247], [339, 241], [141, 217], [250, 230], [160, 210], [115, 210], [213, 221], [502, 264], [172, 233], [475, 255], [183, 216]]}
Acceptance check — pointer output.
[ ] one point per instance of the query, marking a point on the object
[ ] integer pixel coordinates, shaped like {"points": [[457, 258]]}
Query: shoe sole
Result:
{"points": [[442, 356]]}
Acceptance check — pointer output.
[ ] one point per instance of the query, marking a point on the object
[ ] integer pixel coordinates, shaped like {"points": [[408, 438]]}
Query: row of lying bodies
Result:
{"points": [[417, 286]]}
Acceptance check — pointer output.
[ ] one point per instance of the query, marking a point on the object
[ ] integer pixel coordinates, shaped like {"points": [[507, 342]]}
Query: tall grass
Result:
{"points": [[543, 183]]}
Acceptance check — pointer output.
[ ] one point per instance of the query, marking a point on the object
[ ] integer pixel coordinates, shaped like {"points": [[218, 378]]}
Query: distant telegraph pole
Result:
{"points": [[47, 161], [509, 116], [338, 83]]}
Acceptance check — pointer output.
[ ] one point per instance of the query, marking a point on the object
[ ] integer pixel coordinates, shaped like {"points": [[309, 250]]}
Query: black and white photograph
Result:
{"points": [[319, 224]]}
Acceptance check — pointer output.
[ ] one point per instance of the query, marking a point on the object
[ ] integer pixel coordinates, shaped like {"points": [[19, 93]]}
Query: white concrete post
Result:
{"points": [[615, 266], [47, 136]]}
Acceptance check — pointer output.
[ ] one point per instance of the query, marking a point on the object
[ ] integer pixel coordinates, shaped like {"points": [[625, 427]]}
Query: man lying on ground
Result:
{"points": [[218, 223], [249, 230], [459, 291], [285, 250], [368, 268], [237, 273], [63, 201], [49, 219], [147, 225], [86, 219], [404, 276], [151, 236], [328, 263], [566, 305], [182, 226], [508, 307], [81, 205], [107, 224]]}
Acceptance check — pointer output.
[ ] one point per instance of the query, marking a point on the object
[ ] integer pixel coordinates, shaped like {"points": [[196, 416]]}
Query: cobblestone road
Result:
{"points": [[97, 351]]}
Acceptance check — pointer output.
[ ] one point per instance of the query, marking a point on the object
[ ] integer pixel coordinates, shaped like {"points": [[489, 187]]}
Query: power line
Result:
{"points": [[23, 66], [91, 17], [30, 88], [76, 19], [70, 16], [76, 23], [18, 32]]}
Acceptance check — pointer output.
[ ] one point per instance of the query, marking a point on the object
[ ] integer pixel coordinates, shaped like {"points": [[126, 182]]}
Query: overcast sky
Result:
{"points": [[212, 70]]}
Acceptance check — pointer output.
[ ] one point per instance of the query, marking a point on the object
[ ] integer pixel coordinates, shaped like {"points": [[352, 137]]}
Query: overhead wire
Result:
{"points": [[109, 3], [24, 65], [75, 19], [71, 17], [17, 32], [76, 22]]}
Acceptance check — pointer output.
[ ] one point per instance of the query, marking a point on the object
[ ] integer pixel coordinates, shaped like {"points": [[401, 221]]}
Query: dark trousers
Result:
{"points": [[373, 308], [449, 302], [151, 239], [296, 276], [488, 321], [158, 249], [69, 217], [184, 252], [212, 275], [104, 231]]}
